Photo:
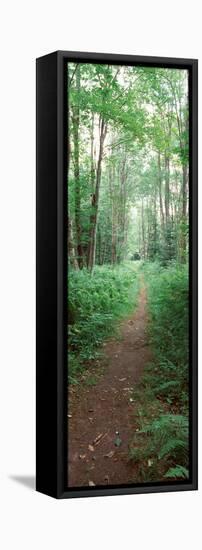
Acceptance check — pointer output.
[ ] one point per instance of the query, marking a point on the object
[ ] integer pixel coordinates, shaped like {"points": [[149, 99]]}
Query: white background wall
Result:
{"points": [[28, 30]]}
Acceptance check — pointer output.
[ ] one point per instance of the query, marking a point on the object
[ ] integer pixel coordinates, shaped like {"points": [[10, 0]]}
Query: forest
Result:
{"points": [[128, 255]]}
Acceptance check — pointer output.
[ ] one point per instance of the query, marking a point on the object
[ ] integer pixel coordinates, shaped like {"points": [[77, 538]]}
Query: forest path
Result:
{"points": [[97, 412]]}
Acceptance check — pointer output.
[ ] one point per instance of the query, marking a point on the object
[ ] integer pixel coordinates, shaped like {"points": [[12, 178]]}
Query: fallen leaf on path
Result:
{"points": [[82, 457], [91, 448], [69, 415], [99, 438], [122, 379], [91, 484], [109, 455]]}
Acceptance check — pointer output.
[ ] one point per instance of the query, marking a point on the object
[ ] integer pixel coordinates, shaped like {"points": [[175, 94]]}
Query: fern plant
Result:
{"points": [[95, 303], [165, 442], [177, 472]]}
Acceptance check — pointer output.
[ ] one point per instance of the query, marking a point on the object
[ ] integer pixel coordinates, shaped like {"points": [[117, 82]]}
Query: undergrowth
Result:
{"points": [[160, 446], [95, 304]]}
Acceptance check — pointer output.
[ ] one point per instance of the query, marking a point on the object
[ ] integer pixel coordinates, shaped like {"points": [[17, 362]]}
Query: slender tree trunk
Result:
{"points": [[76, 120], [95, 197], [183, 127], [139, 236], [160, 192], [155, 222], [167, 188], [92, 182], [113, 234], [99, 247], [71, 248], [104, 251], [184, 191], [92, 167], [143, 229], [122, 222], [113, 215], [183, 230]]}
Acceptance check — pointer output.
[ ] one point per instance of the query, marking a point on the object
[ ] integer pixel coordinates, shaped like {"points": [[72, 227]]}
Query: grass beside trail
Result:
{"points": [[96, 303], [160, 446]]}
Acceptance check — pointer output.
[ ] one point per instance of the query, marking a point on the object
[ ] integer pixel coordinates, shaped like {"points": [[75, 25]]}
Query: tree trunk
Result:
{"points": [[92, 168], [77, 203], [184, 191], [160, 192], [71, 248], [183, 127], [99, 251], [113, 214], [167, 188], [104, 251], [95, 198], [183, 230], [122, 207], [113, 259], [143, 230]]}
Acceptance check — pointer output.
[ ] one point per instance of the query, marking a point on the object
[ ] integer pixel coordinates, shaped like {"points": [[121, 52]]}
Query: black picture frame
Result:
{"points": [[51, 273]]}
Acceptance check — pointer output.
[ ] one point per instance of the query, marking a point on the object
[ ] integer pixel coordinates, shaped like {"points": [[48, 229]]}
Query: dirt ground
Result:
{"points": [[101, 418]]}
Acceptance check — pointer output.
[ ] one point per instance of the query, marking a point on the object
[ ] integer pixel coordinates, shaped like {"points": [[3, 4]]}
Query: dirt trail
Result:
{"points": [[106, 408]]}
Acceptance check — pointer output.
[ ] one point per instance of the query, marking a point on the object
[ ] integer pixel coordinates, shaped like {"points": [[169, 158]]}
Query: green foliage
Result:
{"points": [[168, 304], [91, 380], [95, 303], [165, 440], [168, 246], [142, 166], [128, 197], [169, 436], [177, 472], [162, 443]]}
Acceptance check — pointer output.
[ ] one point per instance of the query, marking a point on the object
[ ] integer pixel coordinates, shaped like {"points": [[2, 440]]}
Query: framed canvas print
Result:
{"points": [[116, 274]]}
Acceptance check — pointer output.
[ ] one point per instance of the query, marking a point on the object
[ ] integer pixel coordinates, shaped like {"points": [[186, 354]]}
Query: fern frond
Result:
{"points": [[173, 447], [177, 471]]}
